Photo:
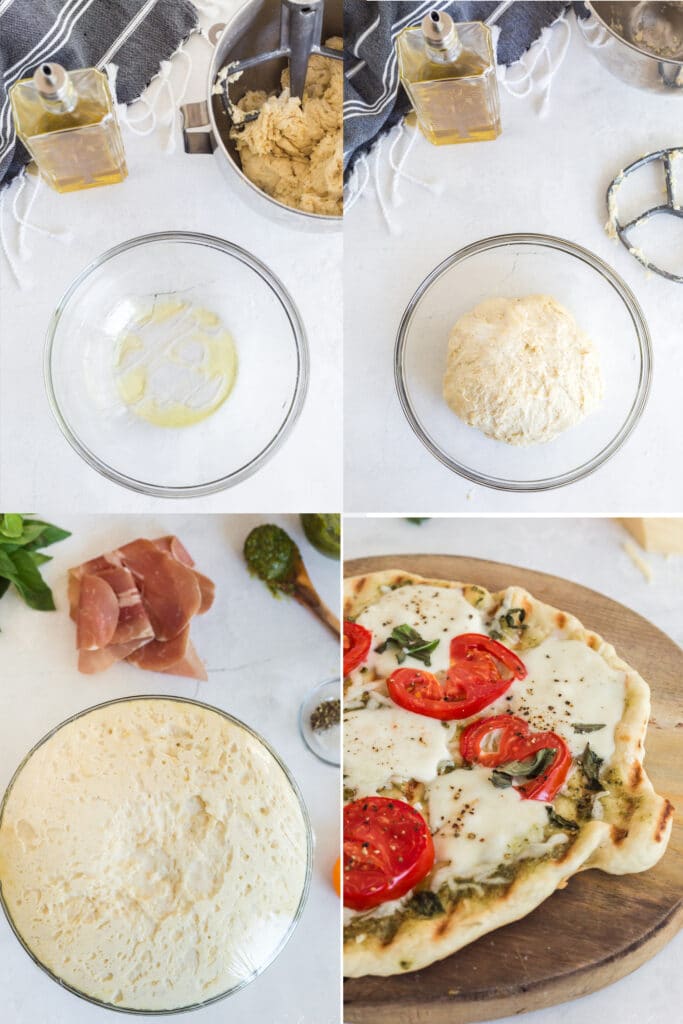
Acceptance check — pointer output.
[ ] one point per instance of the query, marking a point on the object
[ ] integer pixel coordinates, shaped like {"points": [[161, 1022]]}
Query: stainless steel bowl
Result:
{"points": [[640, 43], [254, 29]]}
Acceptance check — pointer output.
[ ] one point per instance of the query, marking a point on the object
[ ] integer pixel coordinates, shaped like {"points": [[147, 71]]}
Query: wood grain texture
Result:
{"points": [[601, 926]]}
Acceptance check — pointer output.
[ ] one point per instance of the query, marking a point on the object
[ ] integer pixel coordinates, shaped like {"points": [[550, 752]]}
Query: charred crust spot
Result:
{"points": [[635, 776], [618, 834], [443, 927], [593, 641], [667, 811], [561, 619], [358, 584]]}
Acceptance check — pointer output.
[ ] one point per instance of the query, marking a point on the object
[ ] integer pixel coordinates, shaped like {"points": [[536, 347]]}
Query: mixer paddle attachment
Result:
{"points": [[301, 25], [673, 206]]}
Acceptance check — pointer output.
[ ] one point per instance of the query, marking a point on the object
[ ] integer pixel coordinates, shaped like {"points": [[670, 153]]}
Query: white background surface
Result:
{"points": [[587, 551], [163, 191], [263, 656], [544, 174]]}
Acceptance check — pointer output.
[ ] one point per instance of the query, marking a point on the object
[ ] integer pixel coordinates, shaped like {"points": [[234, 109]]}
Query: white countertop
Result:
{"points": [[544, 174], [588, 551], [263, 656], [163, 191]]}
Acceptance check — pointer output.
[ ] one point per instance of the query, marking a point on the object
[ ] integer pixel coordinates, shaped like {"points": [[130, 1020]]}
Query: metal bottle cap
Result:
{"points": [[439, 30], [51, 81]]}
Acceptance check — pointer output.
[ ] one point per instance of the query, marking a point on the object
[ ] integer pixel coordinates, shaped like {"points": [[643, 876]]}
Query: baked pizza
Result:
{"points": [[493, 747]]}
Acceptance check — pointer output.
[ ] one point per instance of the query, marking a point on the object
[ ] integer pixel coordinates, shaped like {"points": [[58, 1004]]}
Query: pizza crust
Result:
{"points": [[631, 837]]}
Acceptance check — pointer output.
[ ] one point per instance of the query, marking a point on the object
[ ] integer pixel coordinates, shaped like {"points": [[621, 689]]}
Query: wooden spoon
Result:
{"points": [[272, 555], [305, 593]]}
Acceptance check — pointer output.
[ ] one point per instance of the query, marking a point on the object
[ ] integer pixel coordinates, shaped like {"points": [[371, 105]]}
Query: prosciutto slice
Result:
{"points": [[158, 655], [133, 621], [98, 613], [136, 603], [170, 592], [91, 662]]}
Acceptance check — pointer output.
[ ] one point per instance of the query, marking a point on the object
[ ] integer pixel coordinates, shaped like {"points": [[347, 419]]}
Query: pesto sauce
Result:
{"points": [[446, 899], [323, 531], [272, 555]]}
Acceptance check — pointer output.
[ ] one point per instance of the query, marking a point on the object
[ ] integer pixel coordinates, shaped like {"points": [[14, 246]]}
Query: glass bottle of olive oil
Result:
{"points": [[449, 73], [67, 121]]}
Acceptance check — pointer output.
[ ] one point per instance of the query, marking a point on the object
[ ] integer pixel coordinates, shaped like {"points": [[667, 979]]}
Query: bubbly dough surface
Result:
{"points": [[294, 152], [521, 370], [152, 854]]}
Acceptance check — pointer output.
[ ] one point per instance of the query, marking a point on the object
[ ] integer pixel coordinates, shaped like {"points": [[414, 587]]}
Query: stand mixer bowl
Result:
{"points": [[640, 43], [254, 29]]}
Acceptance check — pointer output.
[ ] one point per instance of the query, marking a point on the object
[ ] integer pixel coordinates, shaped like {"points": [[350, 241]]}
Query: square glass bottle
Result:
{"points": [[67, 121], [449, 74]]}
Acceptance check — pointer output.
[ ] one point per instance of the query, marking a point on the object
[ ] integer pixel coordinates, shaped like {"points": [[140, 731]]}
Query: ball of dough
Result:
{"points": [[521, 370]]}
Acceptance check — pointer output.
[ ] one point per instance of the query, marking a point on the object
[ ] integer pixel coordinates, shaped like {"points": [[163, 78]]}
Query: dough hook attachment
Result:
{"points": [[301, 24], [672, 206]]}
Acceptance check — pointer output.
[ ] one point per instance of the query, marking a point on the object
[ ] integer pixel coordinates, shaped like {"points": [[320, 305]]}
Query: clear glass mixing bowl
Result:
{"points": [[250, 425], [513, 266], [269, 762]]}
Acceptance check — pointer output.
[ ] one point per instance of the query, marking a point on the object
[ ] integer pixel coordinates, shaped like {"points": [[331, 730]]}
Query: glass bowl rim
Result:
{"points": [[300, 387], [309, 852], [642, 334]]}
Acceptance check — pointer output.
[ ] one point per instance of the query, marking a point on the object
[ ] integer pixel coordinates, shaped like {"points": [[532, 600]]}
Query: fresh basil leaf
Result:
{"points": [[50, 534], [587, 726], [515, 618], [21, 571], [590, 765], [530, 767], [500, 780], [406, 641], [38, 558], [4, 585], [560, 822], [406, 635], [30, 537], [11, 525]]}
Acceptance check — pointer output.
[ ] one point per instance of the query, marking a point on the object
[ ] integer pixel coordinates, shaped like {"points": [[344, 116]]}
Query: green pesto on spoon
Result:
{"points": [[272, 555]]}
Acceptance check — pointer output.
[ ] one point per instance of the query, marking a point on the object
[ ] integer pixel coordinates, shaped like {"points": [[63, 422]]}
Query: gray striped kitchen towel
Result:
{"points": [[373, 99], [137, 35]]}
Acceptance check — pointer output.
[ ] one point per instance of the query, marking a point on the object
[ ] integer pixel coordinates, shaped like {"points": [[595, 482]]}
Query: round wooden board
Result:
{"points": [[601, 926]]}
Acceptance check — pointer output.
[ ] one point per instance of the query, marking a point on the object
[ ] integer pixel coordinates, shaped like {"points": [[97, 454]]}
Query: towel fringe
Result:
{"points": [[537, 55], [522, 85]]}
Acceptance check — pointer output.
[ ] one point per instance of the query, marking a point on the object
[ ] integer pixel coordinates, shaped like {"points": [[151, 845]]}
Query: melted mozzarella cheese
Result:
{"points": [[568, 683], [388, 743], [476, 827], [437, 613]]}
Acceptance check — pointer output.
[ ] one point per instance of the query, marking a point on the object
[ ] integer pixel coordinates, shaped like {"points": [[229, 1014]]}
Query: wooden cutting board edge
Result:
{"points": [[571, 985]]}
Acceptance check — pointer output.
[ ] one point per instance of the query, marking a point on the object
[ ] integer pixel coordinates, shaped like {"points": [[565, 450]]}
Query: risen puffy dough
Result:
{"points": [[294, 153], [521, 370], [152, 854]]}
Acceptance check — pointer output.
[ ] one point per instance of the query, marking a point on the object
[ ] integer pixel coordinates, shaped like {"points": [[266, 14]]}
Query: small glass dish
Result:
{"points": [[270, 765], [84, 337], [324, 743], [512, 266]]}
